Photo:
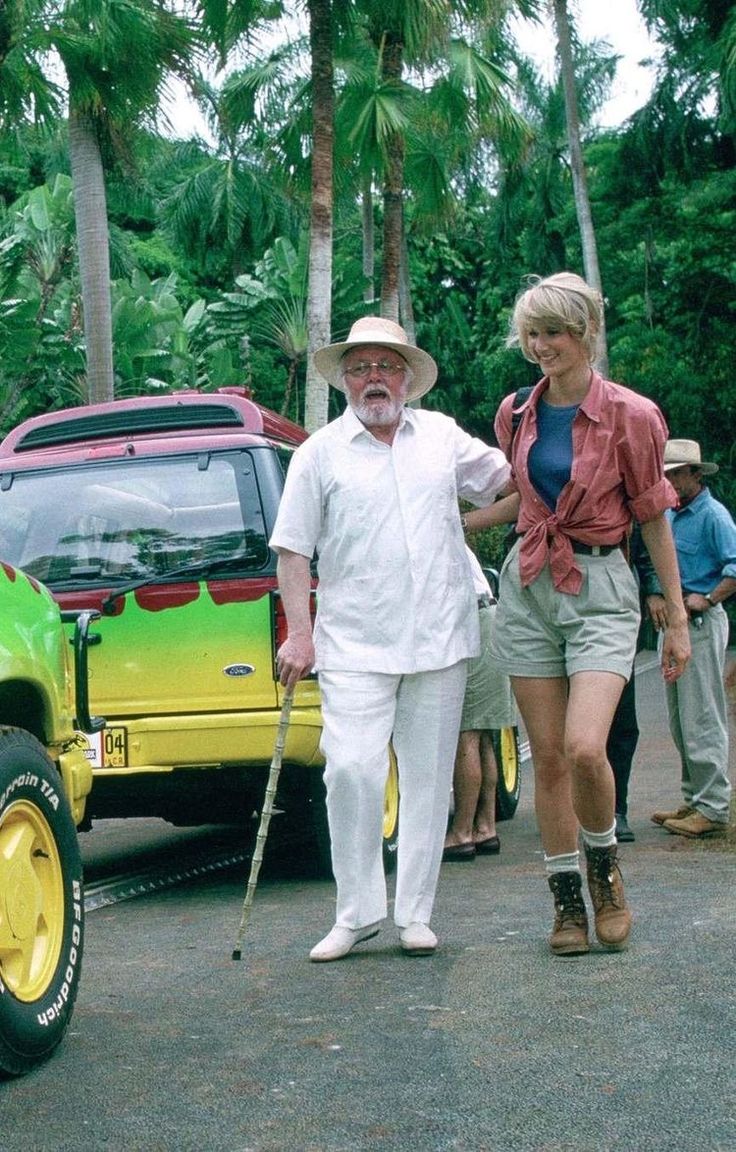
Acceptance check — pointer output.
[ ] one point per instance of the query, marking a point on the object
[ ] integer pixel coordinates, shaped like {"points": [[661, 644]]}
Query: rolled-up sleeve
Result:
{"points": [[481, 471], [655, 500], [648, 490]]}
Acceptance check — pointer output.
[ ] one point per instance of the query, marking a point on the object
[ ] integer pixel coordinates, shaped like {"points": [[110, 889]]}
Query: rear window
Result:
{"points": [[105, 523]]}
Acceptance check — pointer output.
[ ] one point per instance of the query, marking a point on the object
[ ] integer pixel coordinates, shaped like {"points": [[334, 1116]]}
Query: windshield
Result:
{"points": [[97, 524]]}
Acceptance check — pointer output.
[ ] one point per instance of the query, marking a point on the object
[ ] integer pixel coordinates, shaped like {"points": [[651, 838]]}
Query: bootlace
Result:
{"points": [[605, 865], [569, 903]]}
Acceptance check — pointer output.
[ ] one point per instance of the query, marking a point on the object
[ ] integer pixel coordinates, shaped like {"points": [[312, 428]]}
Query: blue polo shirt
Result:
{"points": [[705, 539]]}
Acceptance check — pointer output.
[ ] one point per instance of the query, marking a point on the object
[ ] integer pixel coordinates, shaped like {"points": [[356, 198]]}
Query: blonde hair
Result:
{"points": [[564, 301]]}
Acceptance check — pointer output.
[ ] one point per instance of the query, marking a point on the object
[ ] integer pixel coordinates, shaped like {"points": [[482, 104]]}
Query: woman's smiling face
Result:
{"points": [[556, 351]]}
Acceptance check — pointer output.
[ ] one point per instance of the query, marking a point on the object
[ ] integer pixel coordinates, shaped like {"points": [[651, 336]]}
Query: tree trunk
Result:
{"points": [[579, 181], [369, 254], [90, 211], [406, 304], [319, 299], [392, 196], [289, 388]]}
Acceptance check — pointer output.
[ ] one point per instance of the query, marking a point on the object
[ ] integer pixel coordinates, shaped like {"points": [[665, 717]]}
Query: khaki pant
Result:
{"points": [[698, 715]]}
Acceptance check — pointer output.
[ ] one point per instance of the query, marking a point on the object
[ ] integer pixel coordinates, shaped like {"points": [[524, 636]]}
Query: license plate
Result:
{"points": [[109, 748]]}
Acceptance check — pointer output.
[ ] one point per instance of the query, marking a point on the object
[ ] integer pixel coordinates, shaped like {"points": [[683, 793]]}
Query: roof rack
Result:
{"points": [[153, 415], [100, 425]]}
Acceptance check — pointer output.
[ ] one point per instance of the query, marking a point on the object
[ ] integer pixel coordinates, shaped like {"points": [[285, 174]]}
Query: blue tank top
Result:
{"points": [[550, 458]]}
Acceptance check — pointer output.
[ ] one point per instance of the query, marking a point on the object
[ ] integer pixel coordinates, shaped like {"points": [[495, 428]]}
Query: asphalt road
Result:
{"points": [[491, 1045]]}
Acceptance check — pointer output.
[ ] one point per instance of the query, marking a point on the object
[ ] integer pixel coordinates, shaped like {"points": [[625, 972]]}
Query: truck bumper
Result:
{"points": [[160, 744]]}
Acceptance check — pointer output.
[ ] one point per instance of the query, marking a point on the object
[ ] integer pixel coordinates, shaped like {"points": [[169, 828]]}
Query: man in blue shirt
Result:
{"points": [[705, 539]]}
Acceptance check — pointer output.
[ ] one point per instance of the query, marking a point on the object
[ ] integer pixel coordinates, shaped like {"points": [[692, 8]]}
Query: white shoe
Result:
{"points": [[418, 940], [340, 941]]}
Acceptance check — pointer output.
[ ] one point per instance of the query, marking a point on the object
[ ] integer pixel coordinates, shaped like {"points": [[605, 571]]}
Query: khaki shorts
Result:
{"points": [[489, 701], [542, 632]]}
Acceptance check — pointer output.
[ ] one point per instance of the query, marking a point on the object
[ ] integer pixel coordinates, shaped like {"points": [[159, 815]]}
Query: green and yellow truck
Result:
{"points": [[45, 781]]}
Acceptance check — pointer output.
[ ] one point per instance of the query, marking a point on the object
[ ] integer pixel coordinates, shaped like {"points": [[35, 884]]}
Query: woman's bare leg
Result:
{"points": [[568, 728], [543, 706], [592, 702]]}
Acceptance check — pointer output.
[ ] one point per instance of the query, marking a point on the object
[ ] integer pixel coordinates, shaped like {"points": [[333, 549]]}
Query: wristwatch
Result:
{"points": [[710, 599], [464, 522]]}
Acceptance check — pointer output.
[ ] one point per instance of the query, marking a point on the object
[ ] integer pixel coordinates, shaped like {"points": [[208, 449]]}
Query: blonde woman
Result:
{"points": [[587, 457]]}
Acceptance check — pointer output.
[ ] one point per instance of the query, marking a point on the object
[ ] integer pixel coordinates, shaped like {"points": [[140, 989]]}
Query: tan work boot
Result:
{"points": [[612, 917], [570, 932], [660, 817], [694, 825]]}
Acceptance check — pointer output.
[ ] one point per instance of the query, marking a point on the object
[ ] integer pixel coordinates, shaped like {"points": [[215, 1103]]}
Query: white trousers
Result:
{"points": [[361, 713]]}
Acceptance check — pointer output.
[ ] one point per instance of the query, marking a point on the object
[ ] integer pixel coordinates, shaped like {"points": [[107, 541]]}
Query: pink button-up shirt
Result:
{"points": [[618, 440]]}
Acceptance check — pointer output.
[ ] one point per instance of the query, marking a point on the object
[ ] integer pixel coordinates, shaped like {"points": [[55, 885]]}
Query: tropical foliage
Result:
{"points": [[437, 114]]}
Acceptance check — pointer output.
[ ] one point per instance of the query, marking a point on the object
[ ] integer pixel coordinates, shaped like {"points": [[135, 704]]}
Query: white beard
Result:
{"points": [[378, 413]]}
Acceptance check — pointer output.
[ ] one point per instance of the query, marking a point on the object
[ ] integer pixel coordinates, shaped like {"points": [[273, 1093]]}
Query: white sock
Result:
{"points": [[567, 862], [600, 839]]}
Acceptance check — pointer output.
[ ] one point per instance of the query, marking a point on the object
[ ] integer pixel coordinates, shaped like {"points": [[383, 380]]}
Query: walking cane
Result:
{"points": [[273, 779]]}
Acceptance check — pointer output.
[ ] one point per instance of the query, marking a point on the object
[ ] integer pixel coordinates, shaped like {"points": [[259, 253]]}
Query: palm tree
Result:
{"points": [[25, 92], [426, 34], [116, 55], [224, 203], [319, 309], [697, 69], [398, 31], [579, 180]]}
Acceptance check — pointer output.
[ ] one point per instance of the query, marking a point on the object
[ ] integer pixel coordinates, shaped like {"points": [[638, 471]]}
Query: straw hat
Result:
{"points": [[678, 453], [378, 331]]}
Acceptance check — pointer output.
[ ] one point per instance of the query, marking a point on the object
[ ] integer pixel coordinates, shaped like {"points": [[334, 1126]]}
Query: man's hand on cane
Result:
{"points": [[295, 659]]}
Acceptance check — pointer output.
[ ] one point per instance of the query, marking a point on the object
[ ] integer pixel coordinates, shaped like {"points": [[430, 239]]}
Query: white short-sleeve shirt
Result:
{"points": [[395, 589], [480, 583]]}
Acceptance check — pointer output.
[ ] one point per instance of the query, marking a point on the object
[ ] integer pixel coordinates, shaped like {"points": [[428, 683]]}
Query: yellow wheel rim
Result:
{"points": [[31, 902], [391, 798], [509, 766]]}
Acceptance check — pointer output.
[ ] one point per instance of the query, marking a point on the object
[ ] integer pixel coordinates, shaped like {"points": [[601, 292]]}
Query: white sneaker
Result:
{"points": [[418, 940], [340, 941]]}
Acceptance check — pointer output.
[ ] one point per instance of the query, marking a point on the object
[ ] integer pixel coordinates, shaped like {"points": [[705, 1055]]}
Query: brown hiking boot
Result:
{"points": [[570, 932], [612, 917], [660, 817], [695, 826]]}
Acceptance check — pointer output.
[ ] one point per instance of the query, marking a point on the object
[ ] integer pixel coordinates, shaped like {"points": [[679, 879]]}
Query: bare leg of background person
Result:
{"points": [[484, 827], [467, 784]]}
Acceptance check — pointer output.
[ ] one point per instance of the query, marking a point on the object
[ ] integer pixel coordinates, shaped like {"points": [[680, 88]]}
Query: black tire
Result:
{"points": [[41, 905], [320, 828], [508, 761]]}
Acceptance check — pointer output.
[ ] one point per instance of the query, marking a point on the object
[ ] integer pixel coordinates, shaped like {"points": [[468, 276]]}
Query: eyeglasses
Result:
{"points": [[361, 368]]}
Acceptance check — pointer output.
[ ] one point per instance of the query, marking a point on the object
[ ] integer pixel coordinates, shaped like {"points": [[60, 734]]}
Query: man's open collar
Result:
{"points": [[354, 427]]}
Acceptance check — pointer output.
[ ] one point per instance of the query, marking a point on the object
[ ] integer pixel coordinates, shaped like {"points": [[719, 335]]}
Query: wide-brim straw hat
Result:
{"points": [[679, 453], [378, 331]]}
